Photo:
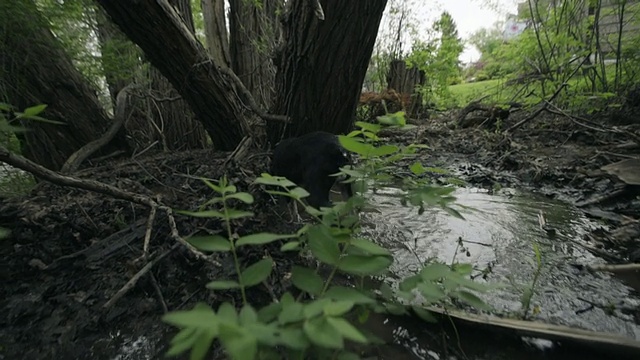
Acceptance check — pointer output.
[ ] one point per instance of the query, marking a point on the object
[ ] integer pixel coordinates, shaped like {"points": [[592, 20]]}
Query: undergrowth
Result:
{"points": [[319, 323]]}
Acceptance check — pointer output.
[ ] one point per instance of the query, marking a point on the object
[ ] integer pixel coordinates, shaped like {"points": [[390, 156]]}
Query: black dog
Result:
{"points": [[309, 161]]}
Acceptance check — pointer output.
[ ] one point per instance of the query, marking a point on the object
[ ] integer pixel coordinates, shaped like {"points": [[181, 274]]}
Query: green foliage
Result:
{"points": [[438, 58], [14, 182], [293, 327]]}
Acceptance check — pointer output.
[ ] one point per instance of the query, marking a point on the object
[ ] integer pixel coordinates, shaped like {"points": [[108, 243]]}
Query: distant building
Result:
{"points": [[514, 27]]}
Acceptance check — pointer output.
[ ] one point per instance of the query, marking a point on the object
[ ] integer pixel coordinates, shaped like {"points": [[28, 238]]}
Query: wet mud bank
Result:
{"points": [[71, 251]]}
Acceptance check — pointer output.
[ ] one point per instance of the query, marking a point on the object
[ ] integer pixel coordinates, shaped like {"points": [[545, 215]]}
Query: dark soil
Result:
{"points": [[71, 250]]}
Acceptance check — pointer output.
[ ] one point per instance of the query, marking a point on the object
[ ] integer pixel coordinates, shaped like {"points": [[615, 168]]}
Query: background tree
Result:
{"points": [[35, 69]]}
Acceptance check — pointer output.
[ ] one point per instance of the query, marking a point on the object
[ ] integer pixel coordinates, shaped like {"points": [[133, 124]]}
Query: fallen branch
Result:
{"points": [[75, 160], [63, 180], [601, 341], [615, 268], [132, 282], [98, 187]]}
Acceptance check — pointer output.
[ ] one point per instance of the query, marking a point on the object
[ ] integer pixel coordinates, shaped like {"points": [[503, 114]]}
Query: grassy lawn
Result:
{"points": [[467, 92]]}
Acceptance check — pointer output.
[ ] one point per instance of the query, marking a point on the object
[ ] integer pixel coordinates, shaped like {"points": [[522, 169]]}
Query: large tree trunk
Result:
{"points": [[175, 123], [323, 64], [215, 29], [254, 32], [209, 87], [36, 70]]}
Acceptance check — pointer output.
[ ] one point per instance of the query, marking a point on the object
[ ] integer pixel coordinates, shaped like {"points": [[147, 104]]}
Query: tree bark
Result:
{"points": [[209, 87], [175, 123], [215, 29], [36, 70], [254, 33], [322, 65]]}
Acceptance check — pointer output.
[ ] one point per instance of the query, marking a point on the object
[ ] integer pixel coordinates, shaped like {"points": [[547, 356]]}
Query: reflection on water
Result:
{"points": [[498, 234]]}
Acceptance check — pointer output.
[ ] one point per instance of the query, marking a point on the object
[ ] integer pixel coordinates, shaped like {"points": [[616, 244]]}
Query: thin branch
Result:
{"points": [[246, 95]]}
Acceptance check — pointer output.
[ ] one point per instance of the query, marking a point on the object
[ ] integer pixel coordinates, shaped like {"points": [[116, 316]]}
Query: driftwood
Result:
{"points": [[584, 338]]}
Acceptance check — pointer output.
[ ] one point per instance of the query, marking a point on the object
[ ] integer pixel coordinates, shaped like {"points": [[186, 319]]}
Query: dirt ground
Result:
{"points": [[72, 250]]}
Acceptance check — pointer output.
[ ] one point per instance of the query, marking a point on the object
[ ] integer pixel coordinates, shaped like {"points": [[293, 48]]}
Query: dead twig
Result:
{"points": [[147, 234], [542, 107], [132, 282]]}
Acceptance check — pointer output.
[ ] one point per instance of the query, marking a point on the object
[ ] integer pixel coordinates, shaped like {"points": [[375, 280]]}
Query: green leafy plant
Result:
{"points": [[324, 317]]}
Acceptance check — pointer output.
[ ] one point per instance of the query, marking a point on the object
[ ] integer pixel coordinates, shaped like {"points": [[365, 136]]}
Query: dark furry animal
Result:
{"points": [[309, 161]]}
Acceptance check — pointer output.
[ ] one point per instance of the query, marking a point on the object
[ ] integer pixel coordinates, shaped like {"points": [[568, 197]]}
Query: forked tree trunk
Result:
{"points": [[36, 70], [207, 86], [322, 65], [175, 125], [254, 32]]}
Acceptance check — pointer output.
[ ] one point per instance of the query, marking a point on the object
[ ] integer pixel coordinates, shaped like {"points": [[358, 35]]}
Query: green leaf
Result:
{"points": [[291, 313], [346, 329], [321, 333], [227, 313], [269, 312], [345, 293], [290, 246], [353, 145], [202, 214], [248, 315], [453, 212], [34, 110], [315, 308], [240, 344], [322, 245], [369, 247], [210, 243], [410, 283], [417, 168], [293, 338], [299, 193], [197, 317], [432, 292], [424, 314], [338, 308], [347, 355], [386, 291], [384, 150], [470, 284], [242, 196], [257, 272], [4, 233], [435, 272], [181, 342], [374, 128], [202, 345], [211, 185], [184, 334], [463, 269], [265, 334], [262, 238], [223, 285], [237, 214], [307, 280], [472, 300], [280, 181], [364, 265]]}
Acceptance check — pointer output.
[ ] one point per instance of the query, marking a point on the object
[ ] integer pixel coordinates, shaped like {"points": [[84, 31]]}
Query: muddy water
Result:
{"points": [[497, 237]]}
